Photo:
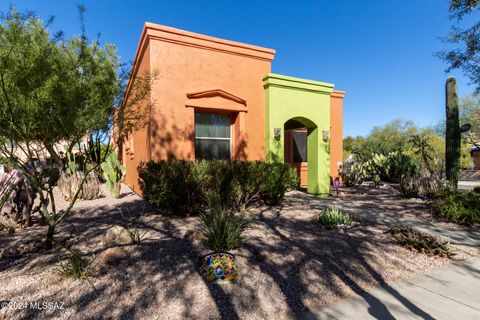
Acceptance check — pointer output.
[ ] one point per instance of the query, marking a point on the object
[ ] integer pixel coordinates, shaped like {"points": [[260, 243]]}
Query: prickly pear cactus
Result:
{"points": [[113, 173], [453, 133]]}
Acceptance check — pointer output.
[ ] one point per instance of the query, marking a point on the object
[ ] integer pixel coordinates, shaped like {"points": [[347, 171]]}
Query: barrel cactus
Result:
{"points": [[113, 173], [453, 133]]}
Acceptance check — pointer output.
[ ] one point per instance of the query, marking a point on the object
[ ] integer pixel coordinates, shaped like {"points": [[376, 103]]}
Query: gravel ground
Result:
{"points": [[289, 265]]}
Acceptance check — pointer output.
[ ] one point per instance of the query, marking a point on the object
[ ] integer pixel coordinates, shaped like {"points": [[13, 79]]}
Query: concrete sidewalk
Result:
{"points": [[451, 292]]}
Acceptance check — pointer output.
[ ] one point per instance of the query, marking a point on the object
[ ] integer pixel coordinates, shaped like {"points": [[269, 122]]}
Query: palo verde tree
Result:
{"points": [[52, 92], [465, 36]]}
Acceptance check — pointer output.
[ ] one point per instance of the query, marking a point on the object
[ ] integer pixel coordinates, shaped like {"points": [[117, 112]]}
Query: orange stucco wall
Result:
{"points": [[336, 133], [136, 148], [197, 73]]}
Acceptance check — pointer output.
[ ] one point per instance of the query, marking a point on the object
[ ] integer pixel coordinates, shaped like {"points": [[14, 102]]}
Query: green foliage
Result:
{"points": [[52, 91], [470, 113], [376, 168], [223, 228], [351, 172], [421, 242], [398, 165], [460, 207], [77, 266], [113, 173], [278, 179], [334, 216], [465, 36], [182, 187]]}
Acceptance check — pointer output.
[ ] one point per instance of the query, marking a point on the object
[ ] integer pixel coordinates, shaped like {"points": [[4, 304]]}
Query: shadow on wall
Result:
{"points": [[170, 141]]}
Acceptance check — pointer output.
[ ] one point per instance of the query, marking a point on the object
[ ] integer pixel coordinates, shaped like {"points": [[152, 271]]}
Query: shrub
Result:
{"points": [[476, 189], [460, 207], [223, 228], [334, 216], [421, 242], [399, 165], [171, 186], [376, 168], [279, 178], [351, 172], [182, 187]]}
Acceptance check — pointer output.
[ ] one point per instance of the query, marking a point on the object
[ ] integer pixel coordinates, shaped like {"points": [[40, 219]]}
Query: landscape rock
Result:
{"points": [[113, 256], [194, 235], [115, 236]]}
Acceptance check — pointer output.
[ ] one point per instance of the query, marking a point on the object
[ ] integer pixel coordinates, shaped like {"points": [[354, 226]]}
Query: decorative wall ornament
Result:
{"points": [[277, 133], [325, 135]]}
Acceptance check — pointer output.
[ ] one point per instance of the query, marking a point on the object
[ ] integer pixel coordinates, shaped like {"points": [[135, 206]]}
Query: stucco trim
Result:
{"points": [[216, 99], [338, 94], [281, 81], [182, 37], [216, 93]]}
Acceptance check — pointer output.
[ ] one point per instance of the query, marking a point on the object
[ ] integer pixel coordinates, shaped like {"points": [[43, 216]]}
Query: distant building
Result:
{"points": [[475, 153]]}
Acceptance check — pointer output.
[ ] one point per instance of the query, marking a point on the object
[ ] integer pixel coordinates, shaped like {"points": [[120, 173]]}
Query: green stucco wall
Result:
{"points": [[309, 103]]}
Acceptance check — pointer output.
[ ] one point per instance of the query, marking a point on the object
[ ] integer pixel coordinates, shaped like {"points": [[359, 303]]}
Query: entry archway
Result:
{"points": [[297, 132], [292, 102]]}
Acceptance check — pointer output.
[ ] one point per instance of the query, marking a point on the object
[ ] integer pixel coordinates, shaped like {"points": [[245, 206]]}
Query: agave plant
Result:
{"points": [[113, 173], [334, 216]]}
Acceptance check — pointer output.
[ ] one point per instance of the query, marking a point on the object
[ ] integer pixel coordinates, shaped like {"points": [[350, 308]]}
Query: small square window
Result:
{"points": [[212, 136]]}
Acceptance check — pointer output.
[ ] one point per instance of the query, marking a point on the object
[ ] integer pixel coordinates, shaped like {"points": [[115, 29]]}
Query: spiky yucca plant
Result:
{"points": [[223, 229], [113, 173]]}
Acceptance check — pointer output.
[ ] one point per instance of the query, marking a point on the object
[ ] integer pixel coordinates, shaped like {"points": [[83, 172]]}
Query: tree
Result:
{"points": [[52, 92], [470, 113], [466, 55]]}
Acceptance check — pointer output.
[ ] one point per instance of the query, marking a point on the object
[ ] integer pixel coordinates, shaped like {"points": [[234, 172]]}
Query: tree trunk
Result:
{"points": [[53, 154], [50, 232]]}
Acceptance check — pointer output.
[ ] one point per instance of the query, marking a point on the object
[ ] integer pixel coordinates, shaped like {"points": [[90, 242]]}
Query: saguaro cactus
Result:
{"points": [[453, 132]]}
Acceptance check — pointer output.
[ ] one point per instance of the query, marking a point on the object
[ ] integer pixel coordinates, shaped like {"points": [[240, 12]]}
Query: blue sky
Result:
{"points": [[380, 52]]}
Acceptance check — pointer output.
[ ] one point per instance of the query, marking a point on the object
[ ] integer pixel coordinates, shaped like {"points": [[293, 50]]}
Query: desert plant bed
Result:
{"points": [[288, 265]]}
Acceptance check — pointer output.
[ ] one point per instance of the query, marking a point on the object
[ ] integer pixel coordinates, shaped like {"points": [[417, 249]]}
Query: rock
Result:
{"points": [[113, 256], [194, 235], [117, 235]]}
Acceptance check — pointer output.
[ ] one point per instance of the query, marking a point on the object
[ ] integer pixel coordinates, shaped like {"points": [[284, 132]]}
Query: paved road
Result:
{"points": [[468, 185], [452, 292]]}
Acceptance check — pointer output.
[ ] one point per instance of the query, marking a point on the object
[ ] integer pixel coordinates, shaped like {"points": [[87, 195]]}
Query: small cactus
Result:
{"points": [[453, 133], [113, 173]]}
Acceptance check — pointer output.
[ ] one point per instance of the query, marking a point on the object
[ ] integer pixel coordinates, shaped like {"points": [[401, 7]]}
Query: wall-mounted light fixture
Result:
{"points": [[325, 135], [277, 133]]}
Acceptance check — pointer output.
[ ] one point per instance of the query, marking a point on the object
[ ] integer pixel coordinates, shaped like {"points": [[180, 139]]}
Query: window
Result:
{"points": [[212, 136], [299, 146]]}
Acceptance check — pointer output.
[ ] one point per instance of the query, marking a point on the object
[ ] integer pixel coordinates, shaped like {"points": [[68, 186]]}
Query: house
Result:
{"points": [[217, 99]]}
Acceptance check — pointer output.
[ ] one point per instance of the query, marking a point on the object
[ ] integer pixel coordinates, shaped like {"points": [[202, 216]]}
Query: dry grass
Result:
{"points": [[288, 265]]}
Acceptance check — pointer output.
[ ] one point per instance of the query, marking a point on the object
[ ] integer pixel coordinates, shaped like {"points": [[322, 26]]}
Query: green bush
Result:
{"points": [[223, 228], [460, 207], [476, 189], [182, 187], [334, 216], [398, 165], [279, 178], [171, 186]]}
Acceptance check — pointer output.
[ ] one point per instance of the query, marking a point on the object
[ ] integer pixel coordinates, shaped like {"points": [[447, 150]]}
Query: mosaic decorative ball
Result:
{"points": [[219, 268]]}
